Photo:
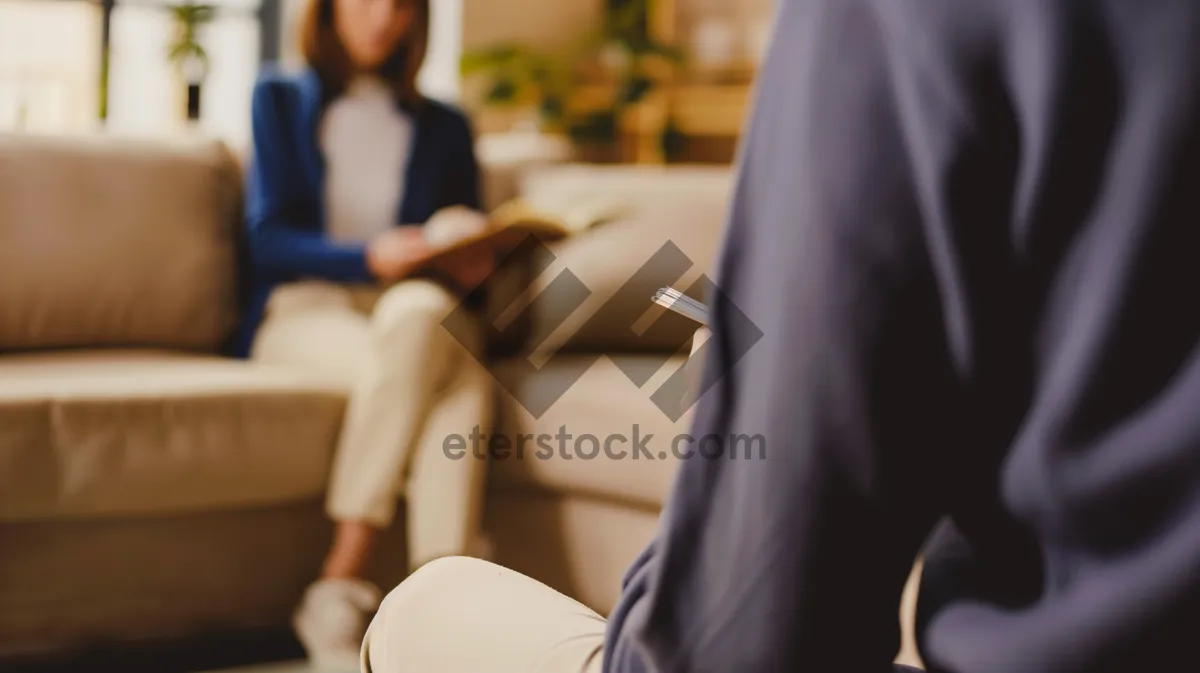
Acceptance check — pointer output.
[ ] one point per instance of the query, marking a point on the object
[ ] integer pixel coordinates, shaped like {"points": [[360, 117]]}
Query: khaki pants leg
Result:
{"points": [[446, 491], [463, 615], [411, 384], [424, 385], [315, 327]]}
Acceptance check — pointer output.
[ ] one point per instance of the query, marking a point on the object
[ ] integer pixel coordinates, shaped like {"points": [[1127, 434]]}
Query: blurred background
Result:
{"points": [[156, 514], [629, 81], [143, 528]]}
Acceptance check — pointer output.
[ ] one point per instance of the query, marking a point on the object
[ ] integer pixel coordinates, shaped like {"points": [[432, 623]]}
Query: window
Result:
{"points": [[147, 96], [49, 66], [50, 54], [439, 78]]}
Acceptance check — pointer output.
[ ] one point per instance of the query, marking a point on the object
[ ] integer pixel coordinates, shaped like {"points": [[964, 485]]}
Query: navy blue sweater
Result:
{"points": [[969, 232], [285, 216]]}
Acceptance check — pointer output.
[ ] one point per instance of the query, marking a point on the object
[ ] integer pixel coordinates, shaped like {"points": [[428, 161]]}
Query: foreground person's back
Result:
{"points": [[970, 232]]}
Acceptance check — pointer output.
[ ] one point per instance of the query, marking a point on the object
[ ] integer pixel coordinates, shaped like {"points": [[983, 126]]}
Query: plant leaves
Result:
{"points": [[551, 109], [503, 91], [489, 58], [666, 51], [674, 141], [595, 128], [634, 89]]}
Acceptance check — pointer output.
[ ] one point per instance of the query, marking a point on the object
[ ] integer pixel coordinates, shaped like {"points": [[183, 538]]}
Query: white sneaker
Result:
{"points": [[332, 620]]}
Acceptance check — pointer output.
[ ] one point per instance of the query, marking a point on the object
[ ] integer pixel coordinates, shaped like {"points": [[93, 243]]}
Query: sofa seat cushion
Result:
{"points": [[563, 450], [112, 433]]}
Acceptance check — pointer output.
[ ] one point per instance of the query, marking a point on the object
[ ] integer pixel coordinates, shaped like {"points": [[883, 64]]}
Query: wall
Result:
{"points": [[545, 23]]}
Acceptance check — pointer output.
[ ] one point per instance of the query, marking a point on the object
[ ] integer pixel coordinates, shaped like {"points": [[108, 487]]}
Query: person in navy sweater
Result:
{"points": [[967, 235], [349, 162]]}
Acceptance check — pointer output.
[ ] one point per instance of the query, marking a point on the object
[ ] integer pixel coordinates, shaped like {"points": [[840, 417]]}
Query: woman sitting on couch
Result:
{"points": [[348, 160]]}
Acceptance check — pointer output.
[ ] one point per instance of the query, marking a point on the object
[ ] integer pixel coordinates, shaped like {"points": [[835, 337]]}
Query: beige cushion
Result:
{"points": [[115, 242], [681, 207], [137, 432], [640, 187], [504, 158], [603, 403], [577, 545]]}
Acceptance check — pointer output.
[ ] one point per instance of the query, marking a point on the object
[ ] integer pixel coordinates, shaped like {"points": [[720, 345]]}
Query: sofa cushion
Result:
{"points": [[639, 187], [670, 234], [94, 434], [562, 450], [577, 545], [117, 242]]}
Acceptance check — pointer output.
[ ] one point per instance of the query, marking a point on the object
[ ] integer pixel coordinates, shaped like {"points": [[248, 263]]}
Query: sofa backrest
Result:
{"points": [[683, 206], [111, 242]]}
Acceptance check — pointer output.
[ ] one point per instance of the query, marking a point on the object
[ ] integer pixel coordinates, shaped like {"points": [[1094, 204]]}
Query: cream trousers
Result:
{"points": [[464, 615], [411, 385]]}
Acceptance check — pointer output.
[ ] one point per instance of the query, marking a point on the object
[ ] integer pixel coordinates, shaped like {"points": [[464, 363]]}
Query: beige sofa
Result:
{"points": [[152, 491]]}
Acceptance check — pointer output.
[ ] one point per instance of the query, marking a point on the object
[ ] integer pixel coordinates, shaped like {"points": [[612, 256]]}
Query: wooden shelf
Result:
{"points": [[709, 104], [710, 110]]}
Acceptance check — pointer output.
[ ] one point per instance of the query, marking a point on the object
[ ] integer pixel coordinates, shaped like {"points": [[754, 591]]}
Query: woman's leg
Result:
{"points": [[407, 377], [463, 615], [321, 328], [315, 327], [418, 363], [446, 488]]}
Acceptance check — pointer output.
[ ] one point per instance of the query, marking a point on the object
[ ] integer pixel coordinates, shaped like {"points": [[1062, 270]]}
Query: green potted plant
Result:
{"points": [[521, 78], [187, 55], [543, 83]]}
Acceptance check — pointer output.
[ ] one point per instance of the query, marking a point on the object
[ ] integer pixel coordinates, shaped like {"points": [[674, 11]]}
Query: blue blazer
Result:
{"points": [[285, 213]]}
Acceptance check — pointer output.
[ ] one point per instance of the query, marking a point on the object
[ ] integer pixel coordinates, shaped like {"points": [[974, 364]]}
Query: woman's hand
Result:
{"points": [[449, 225], [469, 268], [395, 253]]}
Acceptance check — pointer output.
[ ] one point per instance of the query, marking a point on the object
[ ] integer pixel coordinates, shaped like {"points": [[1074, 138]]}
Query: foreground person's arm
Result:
{"points": [[839, 251]]}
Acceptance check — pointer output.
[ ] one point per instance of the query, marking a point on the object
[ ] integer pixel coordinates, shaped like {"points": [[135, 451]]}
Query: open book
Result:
{"points": [[510, 225]]}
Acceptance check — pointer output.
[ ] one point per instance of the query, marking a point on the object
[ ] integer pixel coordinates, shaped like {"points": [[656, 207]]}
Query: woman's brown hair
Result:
{"points": [[325, 54]]}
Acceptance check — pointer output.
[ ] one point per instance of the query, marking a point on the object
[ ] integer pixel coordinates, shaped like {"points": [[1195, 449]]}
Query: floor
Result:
{"points": [[287, 667], [236, 653]]}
